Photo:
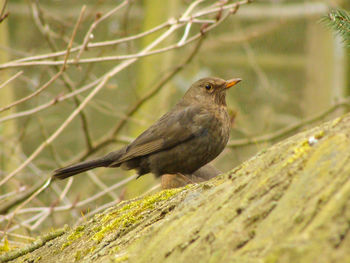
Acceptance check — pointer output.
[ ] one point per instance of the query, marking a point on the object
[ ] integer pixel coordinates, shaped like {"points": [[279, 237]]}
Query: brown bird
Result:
{"points": [[183, 140]]}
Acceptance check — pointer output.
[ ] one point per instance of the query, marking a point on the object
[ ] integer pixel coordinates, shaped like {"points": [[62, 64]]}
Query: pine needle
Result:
{"points": [[339, 20]]}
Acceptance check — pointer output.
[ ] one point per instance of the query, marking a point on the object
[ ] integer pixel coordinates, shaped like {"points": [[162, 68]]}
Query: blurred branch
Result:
{"points": [[37, 92], [39, 242], [3, 15], [96, 45], [55, 77], [69, 207], [57, 99], [98, 182], [249, 33], [286, 11], [232, 7], [94, 25], [19, 236], [63, 68], [44, 28], [27, 200], [271, 137], [19, 197], [11, 79], [175, 24]]}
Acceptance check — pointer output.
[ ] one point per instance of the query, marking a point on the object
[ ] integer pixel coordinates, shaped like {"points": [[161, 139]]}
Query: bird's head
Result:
{"points": [[209, 90]]}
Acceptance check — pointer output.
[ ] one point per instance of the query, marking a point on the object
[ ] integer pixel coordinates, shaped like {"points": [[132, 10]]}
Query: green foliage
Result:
{"points": [[339, 20]]}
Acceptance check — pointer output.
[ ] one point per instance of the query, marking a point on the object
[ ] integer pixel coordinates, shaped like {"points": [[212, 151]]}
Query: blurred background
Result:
{"points": [[294, 70]]}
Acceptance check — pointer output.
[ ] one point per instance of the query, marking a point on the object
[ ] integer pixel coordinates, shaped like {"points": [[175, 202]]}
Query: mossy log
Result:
{"points": [[290, 203]]}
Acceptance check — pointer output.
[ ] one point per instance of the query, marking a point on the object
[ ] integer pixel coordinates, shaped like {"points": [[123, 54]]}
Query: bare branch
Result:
{"points": [[56, 76], [94, 25], [290, 129], [175, 24], [3, 15], [19, 73]]}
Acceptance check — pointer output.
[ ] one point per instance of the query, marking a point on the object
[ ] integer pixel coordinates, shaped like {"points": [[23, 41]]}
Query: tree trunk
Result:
{"points": [[289, 203]]}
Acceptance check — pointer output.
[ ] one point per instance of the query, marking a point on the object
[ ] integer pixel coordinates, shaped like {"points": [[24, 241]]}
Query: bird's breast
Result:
{"points": [[217, 126]]}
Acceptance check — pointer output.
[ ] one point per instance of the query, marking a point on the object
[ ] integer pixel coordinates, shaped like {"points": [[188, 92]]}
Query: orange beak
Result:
{"points": [[232, 82]]}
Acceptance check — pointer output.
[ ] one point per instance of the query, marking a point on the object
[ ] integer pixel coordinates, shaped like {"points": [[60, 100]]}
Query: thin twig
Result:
{"points": [[288, 130], [45, 29], [54, 101], [3, 8], [37, 92], [39, 242], [56, 76], [50, 81], [177, 24], [94, 25], [71, 206], [101, 184], [19, 197], [35, 194], [19, 73], [3, 15], [18, 236], [96, 45], [74, 93]]}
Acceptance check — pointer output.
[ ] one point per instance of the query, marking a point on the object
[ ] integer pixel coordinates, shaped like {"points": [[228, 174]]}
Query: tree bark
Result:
{"points": [[289, 203]]}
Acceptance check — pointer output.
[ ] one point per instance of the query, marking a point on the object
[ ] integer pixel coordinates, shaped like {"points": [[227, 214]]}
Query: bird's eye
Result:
{"points": [[208, 87]]}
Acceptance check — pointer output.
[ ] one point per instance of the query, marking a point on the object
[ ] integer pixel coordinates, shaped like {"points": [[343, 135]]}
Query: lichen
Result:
{"points": [[120, 258], [114, 250], [5, 247], [64, 245], [298, 152], [82, 253], [76, 234], [130, 213], [302, 149]]}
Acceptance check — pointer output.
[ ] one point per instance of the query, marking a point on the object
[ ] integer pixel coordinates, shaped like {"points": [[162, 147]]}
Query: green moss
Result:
{"points": [[188, 186], [299, 219], [114, 250], [77, 255], [130, 213], [336, 121], [67, 244], [82, 253], [5, 247], [76, 234], [121, 258], [319, 135], [298, 152], [302, 149]]}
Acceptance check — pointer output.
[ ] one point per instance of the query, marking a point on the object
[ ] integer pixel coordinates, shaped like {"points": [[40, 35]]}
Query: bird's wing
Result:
{"points": [[173, 128]]}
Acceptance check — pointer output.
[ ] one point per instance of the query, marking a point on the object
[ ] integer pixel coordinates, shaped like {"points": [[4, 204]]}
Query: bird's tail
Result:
{"points": [[78, 168]]}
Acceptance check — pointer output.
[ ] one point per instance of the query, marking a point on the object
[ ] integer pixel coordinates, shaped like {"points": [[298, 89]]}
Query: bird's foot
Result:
{"points": [[175, 180]]}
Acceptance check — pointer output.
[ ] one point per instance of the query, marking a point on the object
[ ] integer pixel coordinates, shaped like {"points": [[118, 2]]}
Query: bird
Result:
{"points": [[193, 133]]}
